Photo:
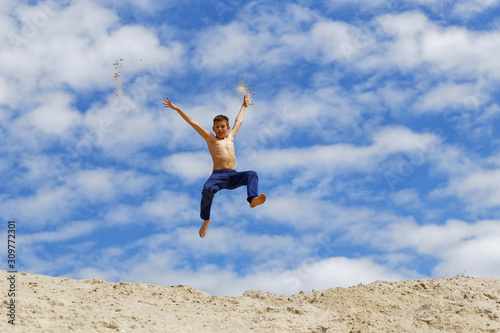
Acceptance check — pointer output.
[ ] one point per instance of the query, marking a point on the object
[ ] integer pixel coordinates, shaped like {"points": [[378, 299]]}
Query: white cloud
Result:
{"points": [[453, 161], [102, 185], [6, 92], [362, 4], [479, 190], [122, 133], [63, 40], [328, 273], [476, 256], [396, 98], [268, 42], [55, 115], [170, 208], [469, 8], [146, 6], [461, 248], [52, 202], [463, 9], [191, 166], [122, 214], [455, 50], [334, 272], [84, 40], [38, 171], [427, 239], [226, 46], [225, 240], [444, 96], [66, 232], [167, 266], [333, 41], [307, 213], [407, 198], [46, 206], [471, 179], [344, 157]]}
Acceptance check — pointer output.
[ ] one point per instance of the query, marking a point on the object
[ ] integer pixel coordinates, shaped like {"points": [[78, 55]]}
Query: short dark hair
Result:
{"points": [[221, 117]]}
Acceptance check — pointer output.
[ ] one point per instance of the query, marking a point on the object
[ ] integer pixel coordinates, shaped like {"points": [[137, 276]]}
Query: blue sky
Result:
{"points": [[374, 133]]}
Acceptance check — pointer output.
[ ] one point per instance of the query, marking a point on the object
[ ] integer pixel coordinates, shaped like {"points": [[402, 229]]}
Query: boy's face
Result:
{"points": [[220, 129]]}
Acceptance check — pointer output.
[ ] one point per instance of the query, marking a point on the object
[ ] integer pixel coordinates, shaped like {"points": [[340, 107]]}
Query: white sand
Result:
{"points": [[48, 304]]}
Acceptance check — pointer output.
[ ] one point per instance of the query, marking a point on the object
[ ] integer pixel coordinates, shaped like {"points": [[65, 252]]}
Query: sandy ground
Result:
{"points": [[48, 304]]}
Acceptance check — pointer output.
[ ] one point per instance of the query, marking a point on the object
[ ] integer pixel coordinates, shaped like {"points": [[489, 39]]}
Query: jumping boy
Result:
{"points": [[224, 175]]}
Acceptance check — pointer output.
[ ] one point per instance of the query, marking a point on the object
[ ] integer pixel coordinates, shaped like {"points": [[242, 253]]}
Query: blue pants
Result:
{"points": [[227, 179]]}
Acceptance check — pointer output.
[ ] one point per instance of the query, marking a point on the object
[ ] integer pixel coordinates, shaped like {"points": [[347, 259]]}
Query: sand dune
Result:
{"points": [[48, 304]]}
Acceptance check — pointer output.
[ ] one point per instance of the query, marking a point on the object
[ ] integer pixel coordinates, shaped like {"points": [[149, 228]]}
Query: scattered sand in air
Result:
{"points": [[243, 88], [118, 78], [51, 304]]}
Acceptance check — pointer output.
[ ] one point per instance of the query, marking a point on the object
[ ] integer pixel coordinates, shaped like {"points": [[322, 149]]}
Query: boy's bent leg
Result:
{"points": [[207, 195], [248, 178], [251, 180], [252, 184], [204, 227]]}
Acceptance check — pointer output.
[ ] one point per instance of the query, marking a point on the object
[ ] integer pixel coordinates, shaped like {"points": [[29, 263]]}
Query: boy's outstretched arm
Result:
{"points": [[247, 101], [190, 120]]}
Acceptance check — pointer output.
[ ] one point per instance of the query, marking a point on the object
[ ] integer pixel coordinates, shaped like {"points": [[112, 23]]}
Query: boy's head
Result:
{"points": [[221, 126]]}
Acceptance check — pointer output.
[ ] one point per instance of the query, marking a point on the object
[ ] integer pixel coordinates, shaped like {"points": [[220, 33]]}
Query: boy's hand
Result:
{"points": [[169, 104], [247, 100]]}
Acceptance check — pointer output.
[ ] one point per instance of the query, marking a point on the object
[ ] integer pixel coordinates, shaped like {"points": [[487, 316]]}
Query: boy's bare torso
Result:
{"points": [[222, 151]]}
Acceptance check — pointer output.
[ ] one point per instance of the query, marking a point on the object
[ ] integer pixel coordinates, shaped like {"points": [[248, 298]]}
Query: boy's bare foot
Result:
{"points": [[203, 229], [258, 200]]}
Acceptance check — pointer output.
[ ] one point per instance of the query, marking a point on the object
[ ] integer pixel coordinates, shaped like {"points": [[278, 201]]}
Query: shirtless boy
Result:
{"points": [[224, 174]]}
